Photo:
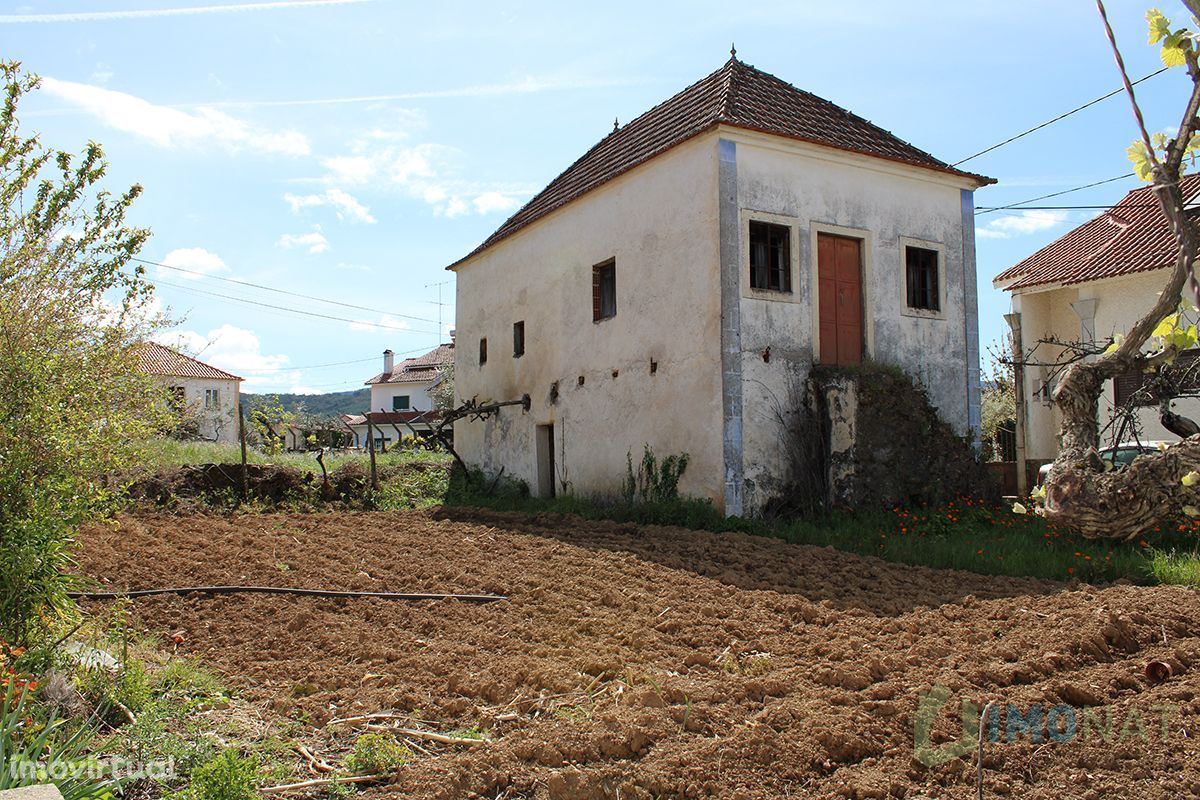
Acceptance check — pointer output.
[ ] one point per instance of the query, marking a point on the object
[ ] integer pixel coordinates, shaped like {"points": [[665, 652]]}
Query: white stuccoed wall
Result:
{"points": [[659, 222], [418, 393], [220, 423]]}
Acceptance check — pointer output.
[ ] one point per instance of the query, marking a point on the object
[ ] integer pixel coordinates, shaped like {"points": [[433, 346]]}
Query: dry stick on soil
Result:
{"points": [[294, 787], [983, 715], [1128, 503]]}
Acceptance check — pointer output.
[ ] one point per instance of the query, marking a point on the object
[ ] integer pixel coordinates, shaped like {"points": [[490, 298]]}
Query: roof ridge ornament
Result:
{"points": [[733, 51], [616, 124]]}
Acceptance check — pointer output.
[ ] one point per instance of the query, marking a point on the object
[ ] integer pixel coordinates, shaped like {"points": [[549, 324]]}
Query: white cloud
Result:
{"points": [[303, 390], [170, 127], [230, 348], [1021, 224], [314, 242], [93, 16], [345, 205], [385, 322], [196, 260], [489, 202], [383, 159], [352, 267]]}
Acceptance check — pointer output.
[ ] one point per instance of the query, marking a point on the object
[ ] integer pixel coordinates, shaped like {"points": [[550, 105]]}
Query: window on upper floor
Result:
{"points": [[770, 257], [604, 290], [518, 339], [212, 398], [921, 270], [401, 402], [483, 351]]}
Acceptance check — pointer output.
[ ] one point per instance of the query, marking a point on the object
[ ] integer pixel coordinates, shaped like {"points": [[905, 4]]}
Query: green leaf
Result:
{"points": [[1173, 57], [1160, 26], [1166, 325], [1140, 158]]}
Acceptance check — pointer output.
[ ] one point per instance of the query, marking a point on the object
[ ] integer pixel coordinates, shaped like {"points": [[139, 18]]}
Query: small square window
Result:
{"points": [[604, 290], [212, 398], [921, 278], [483, 351], [401, 402], [770, 257], [518, 339]]}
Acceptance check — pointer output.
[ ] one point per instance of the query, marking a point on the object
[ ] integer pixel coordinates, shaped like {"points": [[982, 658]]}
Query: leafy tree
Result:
{"points": [[72, 309], [1155, 491]]}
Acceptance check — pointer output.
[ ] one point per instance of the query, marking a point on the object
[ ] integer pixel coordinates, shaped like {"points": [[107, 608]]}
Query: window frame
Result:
{"points": [[212, 399], [939, 251], [605, 269], [518, 338], [797, 291], [407, 398], [776, 271]]}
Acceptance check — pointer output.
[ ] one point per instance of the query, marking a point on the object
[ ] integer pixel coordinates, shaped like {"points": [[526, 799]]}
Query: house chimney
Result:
{"points": [[388, 363], [452, 333]]}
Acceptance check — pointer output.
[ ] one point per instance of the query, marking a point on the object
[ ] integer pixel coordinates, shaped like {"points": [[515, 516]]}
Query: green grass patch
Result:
{"points": [[964, 534], [1175, 568]]}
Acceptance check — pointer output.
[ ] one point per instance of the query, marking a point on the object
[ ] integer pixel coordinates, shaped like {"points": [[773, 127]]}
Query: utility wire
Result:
{"points": [[1021, 203], [1012, 139], [284, 291], [314, 314]]}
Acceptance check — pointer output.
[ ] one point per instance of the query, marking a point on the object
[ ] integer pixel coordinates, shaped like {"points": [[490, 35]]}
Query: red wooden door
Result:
{"points": [[839, 298]]}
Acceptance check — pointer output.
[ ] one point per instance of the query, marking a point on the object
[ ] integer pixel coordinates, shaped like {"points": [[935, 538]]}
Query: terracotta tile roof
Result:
{"points": [[737, 95], [155, 359], [421, 369], [1132, 236]]}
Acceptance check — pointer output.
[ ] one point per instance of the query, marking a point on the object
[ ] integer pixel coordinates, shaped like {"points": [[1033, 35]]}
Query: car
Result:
{"points": [[1119, 455]]}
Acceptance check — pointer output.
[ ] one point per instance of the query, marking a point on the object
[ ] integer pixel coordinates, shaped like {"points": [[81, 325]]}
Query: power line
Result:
{"points": [[1021, 203], [284, 308], [284, 291], [1069, 208], [1012, 139]]}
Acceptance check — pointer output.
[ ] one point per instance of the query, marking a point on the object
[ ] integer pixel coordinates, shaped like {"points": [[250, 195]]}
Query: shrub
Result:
{"points": [[229, 776], [74, 397], [654, 482], [374, 754]]}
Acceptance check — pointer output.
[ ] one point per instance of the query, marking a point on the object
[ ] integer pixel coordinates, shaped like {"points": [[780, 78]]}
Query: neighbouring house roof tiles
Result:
{"points": [[1132, 236], [421, 369], [737, 95], [155, 359], [392, 417]]}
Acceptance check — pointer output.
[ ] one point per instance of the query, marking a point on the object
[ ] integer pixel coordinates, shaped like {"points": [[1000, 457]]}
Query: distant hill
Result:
{"points": [[319, 405]]}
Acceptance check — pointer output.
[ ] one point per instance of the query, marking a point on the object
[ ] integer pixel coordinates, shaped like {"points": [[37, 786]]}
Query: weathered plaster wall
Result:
{"points": [[886, 205], [1119, 303], [660, 223]]}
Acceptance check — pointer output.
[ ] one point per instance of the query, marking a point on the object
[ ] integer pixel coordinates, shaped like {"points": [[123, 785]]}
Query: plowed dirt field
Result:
{"points": [[643, 662]]}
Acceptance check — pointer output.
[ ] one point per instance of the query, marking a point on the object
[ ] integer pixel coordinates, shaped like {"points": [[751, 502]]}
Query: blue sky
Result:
{"points": [[350, 149]]}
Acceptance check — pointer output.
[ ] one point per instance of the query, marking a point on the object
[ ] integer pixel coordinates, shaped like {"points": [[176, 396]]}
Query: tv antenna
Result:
{"points": [[439, 304]]}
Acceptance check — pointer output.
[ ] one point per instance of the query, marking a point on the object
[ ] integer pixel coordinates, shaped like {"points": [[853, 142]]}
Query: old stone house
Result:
{"points": [[1088, 286], [675, 285], [206, 397]]}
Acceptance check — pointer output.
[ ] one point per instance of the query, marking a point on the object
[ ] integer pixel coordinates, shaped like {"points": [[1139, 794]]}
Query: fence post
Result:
{"points": [[371, 451], [242, 438]]}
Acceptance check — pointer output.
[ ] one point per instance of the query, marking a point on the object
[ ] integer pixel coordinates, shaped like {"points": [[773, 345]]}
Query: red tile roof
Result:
{"points": [[154, 359], [737, 95], [1132, 236], [421, 369], [392, 417]]}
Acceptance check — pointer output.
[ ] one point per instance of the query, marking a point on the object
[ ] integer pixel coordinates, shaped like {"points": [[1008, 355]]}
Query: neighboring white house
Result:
{"points": [[1087, 286], [674, 286], [205, 394], [401, 397]]}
